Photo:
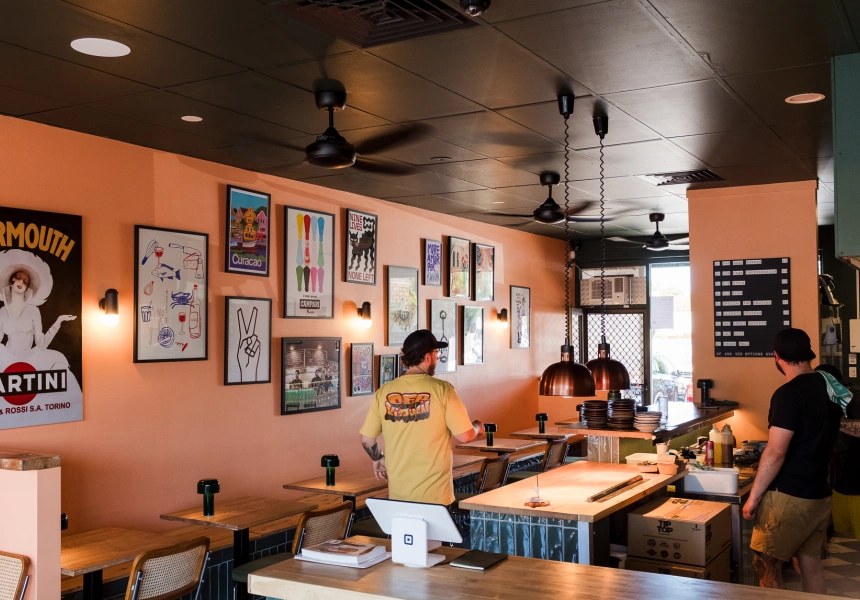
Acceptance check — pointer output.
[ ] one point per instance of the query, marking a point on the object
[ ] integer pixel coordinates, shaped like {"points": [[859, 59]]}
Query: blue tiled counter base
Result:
{"points": [[532, 537]]}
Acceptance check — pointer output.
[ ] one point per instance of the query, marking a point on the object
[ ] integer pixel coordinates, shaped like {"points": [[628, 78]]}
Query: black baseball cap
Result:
{"points": [[793, 345], [419, 343]]}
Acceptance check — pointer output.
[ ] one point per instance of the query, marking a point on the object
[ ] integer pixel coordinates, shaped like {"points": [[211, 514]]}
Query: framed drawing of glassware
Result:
{"points": [[387, 368], [248, 215], [521, 314], [433, 263], [443, 324], [308, 264], [361, 235], [247, 340], [473, 335], [402, 287], [310, 374], [171, 295], [485, 276], [459, 265], [361, 369]]}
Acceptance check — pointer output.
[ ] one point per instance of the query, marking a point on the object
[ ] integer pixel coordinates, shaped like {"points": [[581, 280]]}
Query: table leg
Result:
{"points": [[241, 553], [93, 585], [593, 543], [351, 500]]}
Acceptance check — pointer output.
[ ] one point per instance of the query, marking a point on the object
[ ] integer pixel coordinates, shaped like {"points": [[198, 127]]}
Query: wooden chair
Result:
{"points": [[556, 452], [13, 576], [493, 474], [169, 573]]}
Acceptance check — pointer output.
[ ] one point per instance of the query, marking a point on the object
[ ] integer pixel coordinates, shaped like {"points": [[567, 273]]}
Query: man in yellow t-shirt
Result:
{"points": [[417, 415]]}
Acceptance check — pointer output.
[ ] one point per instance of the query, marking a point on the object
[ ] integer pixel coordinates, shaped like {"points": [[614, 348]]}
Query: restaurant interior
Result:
{"points": [[220, 222]]}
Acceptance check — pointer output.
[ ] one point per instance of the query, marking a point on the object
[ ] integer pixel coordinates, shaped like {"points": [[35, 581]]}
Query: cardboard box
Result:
{"points": [[689, 532], [719, 569]]}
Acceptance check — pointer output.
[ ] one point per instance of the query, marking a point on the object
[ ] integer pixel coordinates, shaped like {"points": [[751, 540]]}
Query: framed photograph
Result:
{"points": [[459, 264], [521, 317], [485, 274], [433, 263], [402, 303], [361, 235], [247, 340], [443, 324], [361, 369], [310, 374], [248, 214], [473, 335], [401, 368], [308, 264], [387, 368], [171, 293]]}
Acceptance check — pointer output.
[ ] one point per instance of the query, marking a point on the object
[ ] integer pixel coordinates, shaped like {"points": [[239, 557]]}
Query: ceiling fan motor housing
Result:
{"points": [[331, 151]]}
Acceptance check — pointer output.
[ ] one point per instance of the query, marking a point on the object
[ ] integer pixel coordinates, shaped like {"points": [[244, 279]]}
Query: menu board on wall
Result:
{"points": [[752, 302]]}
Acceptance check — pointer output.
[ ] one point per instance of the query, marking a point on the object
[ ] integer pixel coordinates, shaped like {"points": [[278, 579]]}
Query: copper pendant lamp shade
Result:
{"points": [[566, 377], [608, 374]]}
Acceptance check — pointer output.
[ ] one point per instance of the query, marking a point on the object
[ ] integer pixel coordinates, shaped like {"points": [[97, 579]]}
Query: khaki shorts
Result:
{"points": [[787, 525], [846, 514]]}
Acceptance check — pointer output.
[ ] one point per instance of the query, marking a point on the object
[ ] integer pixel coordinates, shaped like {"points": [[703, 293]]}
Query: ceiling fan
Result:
{"points": [[332, 151], [657, 241]]}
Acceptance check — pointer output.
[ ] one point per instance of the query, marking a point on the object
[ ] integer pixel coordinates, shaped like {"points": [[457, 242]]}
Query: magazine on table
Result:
{"points": [[337, 552]]}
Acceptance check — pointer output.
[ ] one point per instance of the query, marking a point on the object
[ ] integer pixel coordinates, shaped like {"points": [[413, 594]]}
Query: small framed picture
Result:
{"points": [[401, 368], [459, 264], [310, 374], [308, 264], [387, 368], [247, 340], [443, 324], [485, 275], [361, 235], [361, 369], [248, 214], [402, 287], [521, 315], [473, 335], [433, 263]]}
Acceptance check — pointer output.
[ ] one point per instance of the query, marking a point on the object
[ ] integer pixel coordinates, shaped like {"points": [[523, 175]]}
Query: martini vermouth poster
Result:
{"points": [[40, 318], [309, 264]]}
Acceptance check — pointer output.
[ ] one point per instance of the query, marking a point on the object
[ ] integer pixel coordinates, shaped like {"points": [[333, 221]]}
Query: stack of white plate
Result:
{"points": [[647, 421]]}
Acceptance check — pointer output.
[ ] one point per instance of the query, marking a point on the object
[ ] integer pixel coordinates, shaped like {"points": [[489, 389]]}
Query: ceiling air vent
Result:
{"points": [[702, 176], [366, 23]]}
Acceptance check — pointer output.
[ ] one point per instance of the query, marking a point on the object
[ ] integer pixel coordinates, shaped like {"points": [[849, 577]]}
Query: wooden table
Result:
{"points": [[239, 515], [566, 488], [500, 445], [512, 579], [89, 552], [550, 433]]}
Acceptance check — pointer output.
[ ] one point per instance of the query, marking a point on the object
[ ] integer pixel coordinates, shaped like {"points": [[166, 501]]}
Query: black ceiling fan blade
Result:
{"points": [[389, 168], [680, 241], [391, 140], [679, 246], [623, 240]]}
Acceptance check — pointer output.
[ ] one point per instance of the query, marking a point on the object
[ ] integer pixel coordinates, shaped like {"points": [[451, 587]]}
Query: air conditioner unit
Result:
{"points": [[616, 291]]}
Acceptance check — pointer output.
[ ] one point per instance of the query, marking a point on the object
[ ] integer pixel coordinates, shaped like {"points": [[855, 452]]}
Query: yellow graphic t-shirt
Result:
{"points": [[417, 415]]}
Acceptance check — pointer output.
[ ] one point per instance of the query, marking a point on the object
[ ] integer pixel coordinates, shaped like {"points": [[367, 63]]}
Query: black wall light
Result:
{"points": [[364, 315], [503, 318], [110, 305]]}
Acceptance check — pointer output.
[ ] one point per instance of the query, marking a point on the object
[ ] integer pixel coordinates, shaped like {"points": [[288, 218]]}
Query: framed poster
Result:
{"points": [[433, 263], [485, 275], [308, 264], [361, 369], [401, 368], [443, 324], [310, 374], [387, 368], [402, 304], [361, 235], [247, 340], [248, 215], [40, 287], [473, 335], [171, 295], [459, 263], [521, 315]]}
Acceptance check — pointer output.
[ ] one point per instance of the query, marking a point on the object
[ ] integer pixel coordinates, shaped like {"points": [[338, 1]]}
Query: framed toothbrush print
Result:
{"points": [[308, 264]]}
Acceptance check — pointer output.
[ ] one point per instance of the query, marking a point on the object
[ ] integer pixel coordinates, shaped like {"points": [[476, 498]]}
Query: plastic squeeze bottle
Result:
{"points": [[727, 446], [716, 437]]}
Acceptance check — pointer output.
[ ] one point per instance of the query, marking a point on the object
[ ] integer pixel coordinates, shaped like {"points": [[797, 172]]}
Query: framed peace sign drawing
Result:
{"points": [[247, 340]]}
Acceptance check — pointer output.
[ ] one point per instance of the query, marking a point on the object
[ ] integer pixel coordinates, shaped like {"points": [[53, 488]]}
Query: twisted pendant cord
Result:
{"points": [[566, 236], [603, 253]]}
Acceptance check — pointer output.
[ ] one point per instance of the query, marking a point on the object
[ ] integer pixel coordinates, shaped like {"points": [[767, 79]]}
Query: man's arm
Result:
{"points": [[770, 464], [470, 434], [372, 448], [850, 426]]}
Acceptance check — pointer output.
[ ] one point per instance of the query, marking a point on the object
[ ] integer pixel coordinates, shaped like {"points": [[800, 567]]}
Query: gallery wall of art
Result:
{"points": [[161, 426]]}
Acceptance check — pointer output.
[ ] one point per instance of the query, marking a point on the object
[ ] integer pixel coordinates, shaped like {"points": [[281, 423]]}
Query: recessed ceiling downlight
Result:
{"points": [[192, 119], [808, 98], [100, 47]]}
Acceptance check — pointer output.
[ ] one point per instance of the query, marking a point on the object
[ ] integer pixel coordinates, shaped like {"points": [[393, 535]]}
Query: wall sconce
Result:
{"points": [[364, 315], [503, 318], [110, 305]]}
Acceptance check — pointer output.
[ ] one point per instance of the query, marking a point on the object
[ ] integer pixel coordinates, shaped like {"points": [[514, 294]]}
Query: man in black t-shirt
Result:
{"points": [[790, 501]]}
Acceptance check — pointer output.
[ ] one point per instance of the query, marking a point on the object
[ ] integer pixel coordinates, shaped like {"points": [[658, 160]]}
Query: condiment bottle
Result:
{"points": [[709, 453], [716, 437], [727, 446]]}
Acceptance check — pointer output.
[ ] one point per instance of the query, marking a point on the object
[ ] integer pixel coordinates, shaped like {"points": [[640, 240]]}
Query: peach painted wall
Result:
{"points": [[762, 221], [150, 431]]}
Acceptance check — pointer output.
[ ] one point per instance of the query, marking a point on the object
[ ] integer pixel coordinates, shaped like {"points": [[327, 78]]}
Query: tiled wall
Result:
{"points": [[533, 537]]}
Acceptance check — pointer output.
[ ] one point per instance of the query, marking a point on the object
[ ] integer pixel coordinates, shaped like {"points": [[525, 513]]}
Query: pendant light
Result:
{"points": [[566, 377], [609, 375]]}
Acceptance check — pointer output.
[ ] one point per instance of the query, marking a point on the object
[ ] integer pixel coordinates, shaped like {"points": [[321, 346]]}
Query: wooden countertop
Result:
{"points": [[240, 513], [567, 487], [20, 460], [501, 445], [513, 579], [101, 548], [550, 433]]}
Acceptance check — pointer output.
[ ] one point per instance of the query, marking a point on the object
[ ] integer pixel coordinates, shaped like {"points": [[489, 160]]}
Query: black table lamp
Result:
{"points": [[541, 418], [490, 428], [329, 461], [208, 487]]}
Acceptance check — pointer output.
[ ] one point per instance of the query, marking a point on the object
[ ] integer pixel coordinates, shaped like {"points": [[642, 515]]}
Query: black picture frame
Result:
{"points": [[446, 330], [233, 229], [234, 352], [201, 283], [459, 267], [469, 339], [387, 364], [401, 367], [432, 256], [356, 224], [330, 389], [401, 305], [308, 304], [521, 307], [480, 258], [368, 389]]}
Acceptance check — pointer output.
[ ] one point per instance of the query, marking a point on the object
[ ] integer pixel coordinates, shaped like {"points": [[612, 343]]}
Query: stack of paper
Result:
{"points": [[348, 554]]}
